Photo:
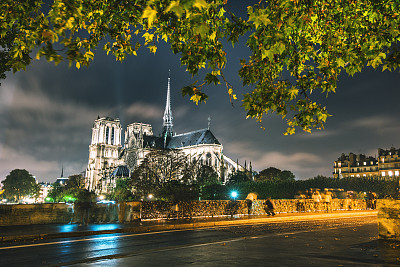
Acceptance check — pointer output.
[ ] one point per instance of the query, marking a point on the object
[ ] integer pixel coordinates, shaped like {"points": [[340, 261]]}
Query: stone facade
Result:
{"points": [[387, 164], [107, 153], [104, 150], [353, 165]]}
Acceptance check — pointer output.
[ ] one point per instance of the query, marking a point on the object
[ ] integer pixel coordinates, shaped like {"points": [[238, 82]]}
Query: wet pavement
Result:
{"points": [[47, 231], [337, 239]]}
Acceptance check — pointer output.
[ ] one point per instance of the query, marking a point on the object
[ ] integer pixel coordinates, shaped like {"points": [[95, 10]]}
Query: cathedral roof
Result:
{"points": [[121, 171], [204, 136]]}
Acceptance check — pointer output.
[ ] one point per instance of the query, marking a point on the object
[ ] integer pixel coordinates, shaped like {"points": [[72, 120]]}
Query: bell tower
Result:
{"points": [[103, 150]]}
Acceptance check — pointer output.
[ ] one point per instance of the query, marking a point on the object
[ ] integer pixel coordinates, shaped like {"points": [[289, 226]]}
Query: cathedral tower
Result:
{"points": [[103, 150]]}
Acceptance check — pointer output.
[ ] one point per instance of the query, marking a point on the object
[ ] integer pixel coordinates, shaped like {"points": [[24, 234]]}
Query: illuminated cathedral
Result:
{"points": [[110, 158]]}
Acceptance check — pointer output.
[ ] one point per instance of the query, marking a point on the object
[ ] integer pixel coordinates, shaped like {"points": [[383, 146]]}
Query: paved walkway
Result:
{"points": [[45, 231]]}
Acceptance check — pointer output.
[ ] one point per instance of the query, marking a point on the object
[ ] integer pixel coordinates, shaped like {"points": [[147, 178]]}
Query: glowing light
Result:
{"points": [[234, 194], [150, 196]]}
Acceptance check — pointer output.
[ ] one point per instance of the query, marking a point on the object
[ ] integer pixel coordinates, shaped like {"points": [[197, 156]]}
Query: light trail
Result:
{"points": [[176, 230]]}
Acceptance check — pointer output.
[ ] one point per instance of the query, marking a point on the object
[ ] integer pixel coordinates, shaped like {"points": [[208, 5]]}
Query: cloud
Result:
{"points": [[375, 122], [11, 159], [180, 111], [300, 163], [143, 110], [318, 134]]}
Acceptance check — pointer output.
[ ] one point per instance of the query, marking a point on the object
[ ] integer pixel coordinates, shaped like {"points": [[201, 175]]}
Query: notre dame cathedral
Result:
{"points": [[110, 158]]}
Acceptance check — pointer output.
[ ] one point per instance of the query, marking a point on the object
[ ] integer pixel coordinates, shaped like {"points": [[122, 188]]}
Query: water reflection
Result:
{"points": [[94, 227]]}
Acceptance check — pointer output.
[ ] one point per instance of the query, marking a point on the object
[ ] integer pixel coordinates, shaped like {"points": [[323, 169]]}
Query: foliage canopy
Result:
{"points": [[297, 47], [273, 173], [20, 183]]}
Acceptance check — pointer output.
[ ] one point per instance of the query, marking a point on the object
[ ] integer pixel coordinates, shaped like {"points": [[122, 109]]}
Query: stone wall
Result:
{"points": [[167, 210], [125, 212], [389, 219], [25, 214]]}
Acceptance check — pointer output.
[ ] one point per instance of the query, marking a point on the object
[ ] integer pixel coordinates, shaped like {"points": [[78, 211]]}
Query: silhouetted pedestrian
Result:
{"points": [[269, 207], [373, 200], [249, 204], [327, 198], [316, 199]]}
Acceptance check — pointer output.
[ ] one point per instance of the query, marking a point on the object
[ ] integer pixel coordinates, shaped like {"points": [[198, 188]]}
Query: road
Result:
{"points": [[328, 242]]}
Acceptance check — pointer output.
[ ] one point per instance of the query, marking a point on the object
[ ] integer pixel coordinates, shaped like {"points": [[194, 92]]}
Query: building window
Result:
{"points": [[364, 175], [396, 173], [358, 175], [112, 135], [365, 163], [107, 134], [390, 173], [383, 173], [340, 164], [352, 175]]}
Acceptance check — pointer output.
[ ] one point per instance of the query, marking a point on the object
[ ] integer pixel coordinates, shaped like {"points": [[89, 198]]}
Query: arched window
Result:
{"points": [[107, 134], [112, 135]]}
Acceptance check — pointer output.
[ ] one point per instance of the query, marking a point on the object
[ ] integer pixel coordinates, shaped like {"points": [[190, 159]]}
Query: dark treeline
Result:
{"points": [[278, 189]]}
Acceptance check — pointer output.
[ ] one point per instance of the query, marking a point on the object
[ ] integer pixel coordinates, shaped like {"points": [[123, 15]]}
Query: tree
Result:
{"points": [[76, 181], [268, 174], [296, 47], [19, 184], [142, 183], [237, 177], [287, 175], [57, 192], [163, 165], [122, 190], [176, 191], [273, 173], [207, 175]]}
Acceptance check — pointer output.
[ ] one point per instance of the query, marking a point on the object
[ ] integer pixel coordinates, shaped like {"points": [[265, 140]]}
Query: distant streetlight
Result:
{"points": [[150, 196], [234, 194]]}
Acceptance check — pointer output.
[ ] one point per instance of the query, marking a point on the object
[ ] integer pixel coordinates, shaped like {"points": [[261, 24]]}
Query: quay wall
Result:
{"points": [[125, 212], [389, 219]]}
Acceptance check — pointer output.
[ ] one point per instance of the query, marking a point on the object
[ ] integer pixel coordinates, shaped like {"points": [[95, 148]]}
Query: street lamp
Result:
{"points": [[150, 196], [234, 194]]}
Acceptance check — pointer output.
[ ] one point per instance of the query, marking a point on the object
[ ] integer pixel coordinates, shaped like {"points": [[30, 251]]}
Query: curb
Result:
{"points": [[183, 226]]}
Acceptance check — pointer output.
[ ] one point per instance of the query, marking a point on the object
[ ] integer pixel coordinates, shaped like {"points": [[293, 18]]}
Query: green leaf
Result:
{"points": [[340, 62], [149, 14], [200, 4]]}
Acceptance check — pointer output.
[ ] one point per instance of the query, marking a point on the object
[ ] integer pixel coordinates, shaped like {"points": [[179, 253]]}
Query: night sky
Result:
{"points": [[46, 114]]}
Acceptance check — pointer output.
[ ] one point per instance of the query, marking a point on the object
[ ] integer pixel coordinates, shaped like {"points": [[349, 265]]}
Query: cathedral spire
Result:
{"points": [[167, 129]]}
